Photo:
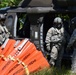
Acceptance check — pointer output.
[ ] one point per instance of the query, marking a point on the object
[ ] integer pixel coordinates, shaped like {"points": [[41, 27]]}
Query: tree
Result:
{"points": [[7, 3]]}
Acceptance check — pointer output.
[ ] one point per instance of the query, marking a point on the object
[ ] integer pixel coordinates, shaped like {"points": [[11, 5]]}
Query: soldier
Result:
{"points": [[4, 34], [72, 44], [55, 41]]}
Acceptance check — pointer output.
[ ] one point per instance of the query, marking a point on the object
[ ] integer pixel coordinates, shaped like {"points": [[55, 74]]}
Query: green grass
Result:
{"points": [[53, 71]]}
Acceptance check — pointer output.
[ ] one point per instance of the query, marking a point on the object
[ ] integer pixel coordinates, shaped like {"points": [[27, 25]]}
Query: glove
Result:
{"points": [[48, 48]]}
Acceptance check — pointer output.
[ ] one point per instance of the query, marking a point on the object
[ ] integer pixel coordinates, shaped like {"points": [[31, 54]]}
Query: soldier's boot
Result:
{"points": [[52, 62]]}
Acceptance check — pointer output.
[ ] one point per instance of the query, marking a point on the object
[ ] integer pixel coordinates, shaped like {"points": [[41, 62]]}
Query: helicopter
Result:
{"points": [[32, 18]]}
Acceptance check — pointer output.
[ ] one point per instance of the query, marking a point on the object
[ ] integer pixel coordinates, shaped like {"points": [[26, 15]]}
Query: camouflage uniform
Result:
{"points": [[55, 42], [4, 34], [72, 43]]}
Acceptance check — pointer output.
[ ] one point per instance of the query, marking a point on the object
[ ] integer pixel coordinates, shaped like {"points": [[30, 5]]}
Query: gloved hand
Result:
{"points": [[48, 48]]}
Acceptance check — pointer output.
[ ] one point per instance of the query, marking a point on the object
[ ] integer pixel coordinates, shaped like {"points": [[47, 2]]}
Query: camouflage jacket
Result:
{"points": [[54, 35]]}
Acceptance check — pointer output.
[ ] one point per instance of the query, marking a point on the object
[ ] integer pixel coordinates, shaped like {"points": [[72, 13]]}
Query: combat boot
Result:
{"points": [[52, 62]]}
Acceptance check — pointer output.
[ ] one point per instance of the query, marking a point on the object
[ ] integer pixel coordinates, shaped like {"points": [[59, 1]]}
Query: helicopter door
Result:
{"points": [[36, 30], [34, 34], [11, 23]]}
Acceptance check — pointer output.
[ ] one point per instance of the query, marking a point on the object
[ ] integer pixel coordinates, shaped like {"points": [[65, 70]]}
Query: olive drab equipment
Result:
{"points": [[35, 3], [45, 3]]}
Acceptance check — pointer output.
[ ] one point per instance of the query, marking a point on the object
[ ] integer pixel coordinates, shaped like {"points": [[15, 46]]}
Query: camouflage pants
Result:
{"points": [[57, 53], [73, 66], [59, 59]]}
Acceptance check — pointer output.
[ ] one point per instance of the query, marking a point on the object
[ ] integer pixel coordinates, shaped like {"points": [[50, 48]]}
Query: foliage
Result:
{"points": [[54, 71], [6, 3]]}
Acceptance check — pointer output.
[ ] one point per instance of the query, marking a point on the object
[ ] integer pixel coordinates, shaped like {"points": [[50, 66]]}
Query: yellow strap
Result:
{"points": [[25, 66], [3, 57], [27, 71], [11, 58], [20, 62]]}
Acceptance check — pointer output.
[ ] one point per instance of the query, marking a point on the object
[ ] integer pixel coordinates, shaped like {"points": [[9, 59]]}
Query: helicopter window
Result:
{"points": [[10, 22], [23, 28]]}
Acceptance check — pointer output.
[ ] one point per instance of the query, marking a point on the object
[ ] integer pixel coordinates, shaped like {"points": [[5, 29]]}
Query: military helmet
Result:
{"points": [[2, 17], [57, 20]]}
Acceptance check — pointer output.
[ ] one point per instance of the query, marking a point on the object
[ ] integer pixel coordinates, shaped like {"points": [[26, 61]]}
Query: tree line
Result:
{"points": [[9, 3]]}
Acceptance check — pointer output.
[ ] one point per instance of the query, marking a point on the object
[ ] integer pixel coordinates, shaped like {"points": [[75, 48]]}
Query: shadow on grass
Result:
{"points": [[53, 71]]}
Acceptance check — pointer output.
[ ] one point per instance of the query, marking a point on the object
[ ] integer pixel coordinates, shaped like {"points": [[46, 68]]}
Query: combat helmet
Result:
{"points": [[2, 17], [57, 20]]}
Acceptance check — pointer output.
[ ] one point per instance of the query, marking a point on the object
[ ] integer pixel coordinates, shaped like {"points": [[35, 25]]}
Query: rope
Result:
{"points": [[3, 57], [19, 62], [11, 58], [24, 65]]}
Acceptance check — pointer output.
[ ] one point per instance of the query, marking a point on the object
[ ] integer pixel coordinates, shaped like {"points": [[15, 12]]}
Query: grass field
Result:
{"points": [[53, 71]]}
